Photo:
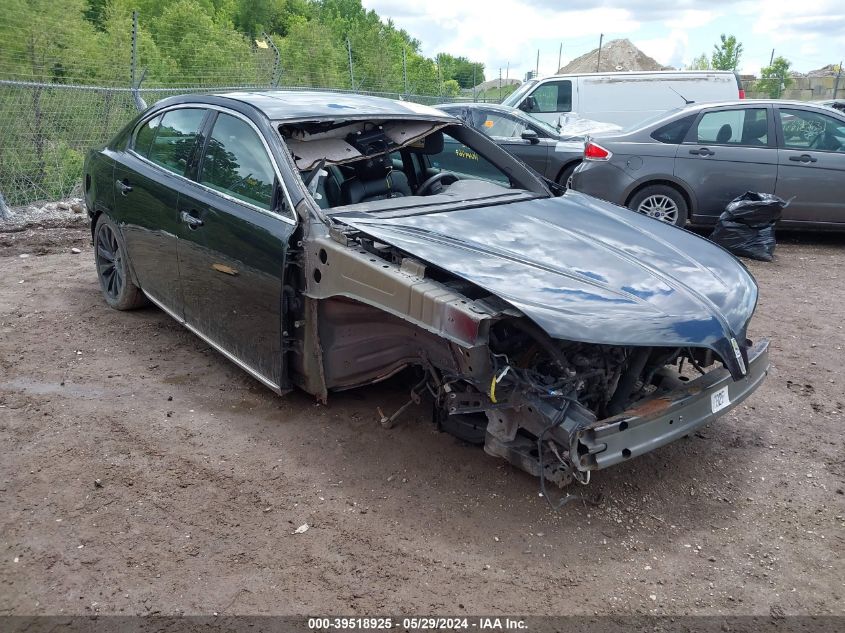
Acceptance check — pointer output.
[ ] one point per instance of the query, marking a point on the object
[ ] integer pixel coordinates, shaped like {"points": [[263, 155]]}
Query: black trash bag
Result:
{"points": [[747, 226]]}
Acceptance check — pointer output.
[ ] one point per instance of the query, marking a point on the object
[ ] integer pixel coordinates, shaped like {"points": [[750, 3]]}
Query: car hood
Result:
{"points": [[586, 270]]}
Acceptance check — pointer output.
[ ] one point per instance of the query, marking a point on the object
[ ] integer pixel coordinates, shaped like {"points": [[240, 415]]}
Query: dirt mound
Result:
{"points": [[492, 84], [616, 56]]}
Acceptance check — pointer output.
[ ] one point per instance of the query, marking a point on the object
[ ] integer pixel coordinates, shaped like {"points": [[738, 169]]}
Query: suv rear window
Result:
{"points": [[674, 132]]}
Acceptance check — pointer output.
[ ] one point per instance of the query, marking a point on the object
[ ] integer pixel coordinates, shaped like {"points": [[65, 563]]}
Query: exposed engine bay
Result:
{"points": [[493, 376]]}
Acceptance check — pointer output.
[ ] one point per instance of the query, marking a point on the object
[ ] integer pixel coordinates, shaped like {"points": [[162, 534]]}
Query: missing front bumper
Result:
{"points": [[659, 421]]}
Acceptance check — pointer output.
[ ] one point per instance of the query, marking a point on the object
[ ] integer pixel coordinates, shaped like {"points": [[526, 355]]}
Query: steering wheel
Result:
{"points": [[435, 180]]}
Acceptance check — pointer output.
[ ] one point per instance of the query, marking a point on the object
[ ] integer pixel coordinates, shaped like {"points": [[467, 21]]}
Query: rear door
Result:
{"points": [[234, 232], [811, 165], [728, 151], [148, 177]]}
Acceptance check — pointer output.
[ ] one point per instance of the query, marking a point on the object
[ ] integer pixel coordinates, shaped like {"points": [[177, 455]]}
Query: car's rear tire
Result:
{"points": [[116, 284], [565, 178], [661, 202]]}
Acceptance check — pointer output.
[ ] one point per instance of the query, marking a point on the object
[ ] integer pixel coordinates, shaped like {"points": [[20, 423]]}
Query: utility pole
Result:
{"points": [[134, 60], [439, 76], [507, 71], [559, 56], [405, 69], [598, 61], [537, 67], [473, 82], [836, 83], [351, 72], [772, 57]]}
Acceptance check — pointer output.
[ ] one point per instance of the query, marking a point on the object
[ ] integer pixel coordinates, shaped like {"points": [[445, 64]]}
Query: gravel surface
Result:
{"points": [[143, 473]]}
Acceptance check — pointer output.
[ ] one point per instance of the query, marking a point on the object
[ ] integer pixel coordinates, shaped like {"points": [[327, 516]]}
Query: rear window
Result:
{"points": [[674, 132]]}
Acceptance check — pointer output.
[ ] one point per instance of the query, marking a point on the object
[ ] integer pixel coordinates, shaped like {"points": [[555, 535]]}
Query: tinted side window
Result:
{"points": [[237, 164], [748, 126], [809, 130], [145, 136], [554, 96], [175, 138], [673, 132], [496, 124]]}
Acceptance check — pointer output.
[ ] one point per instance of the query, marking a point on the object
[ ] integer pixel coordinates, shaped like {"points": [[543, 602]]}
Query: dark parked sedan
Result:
{"points": [[536, 143], [314, 240], [691, 163]]}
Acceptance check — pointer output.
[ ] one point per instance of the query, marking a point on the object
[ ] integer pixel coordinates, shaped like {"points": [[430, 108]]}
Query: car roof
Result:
{"points": [[634, 73], [749, 102], [477, 104], [312, 105]]}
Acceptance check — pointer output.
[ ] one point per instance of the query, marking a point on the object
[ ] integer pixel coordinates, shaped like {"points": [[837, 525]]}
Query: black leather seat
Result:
{"points": [[328, 189], [374, 180], [756, 133], [725, 134]]}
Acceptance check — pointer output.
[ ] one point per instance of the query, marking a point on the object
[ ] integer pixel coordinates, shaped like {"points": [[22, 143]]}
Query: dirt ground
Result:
{"points": [[142, 473]]}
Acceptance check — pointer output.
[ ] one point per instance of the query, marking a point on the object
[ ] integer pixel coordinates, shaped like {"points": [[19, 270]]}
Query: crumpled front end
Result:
{"points": [[561, 439], [565, 338]]}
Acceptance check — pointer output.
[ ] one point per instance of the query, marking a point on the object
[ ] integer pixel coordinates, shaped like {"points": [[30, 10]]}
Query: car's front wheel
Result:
{"points": [[661, 202], [565, 177], [119, 291]]}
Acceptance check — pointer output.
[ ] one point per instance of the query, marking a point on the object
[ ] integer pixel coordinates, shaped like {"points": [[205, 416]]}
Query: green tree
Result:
{"points": [[451, 88], [774, 79], [702, 62], [726, 55], [461, 70]]}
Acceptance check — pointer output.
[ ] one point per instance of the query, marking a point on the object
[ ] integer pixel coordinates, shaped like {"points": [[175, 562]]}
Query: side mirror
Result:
{"points": [[530, 135], [529, 104]]}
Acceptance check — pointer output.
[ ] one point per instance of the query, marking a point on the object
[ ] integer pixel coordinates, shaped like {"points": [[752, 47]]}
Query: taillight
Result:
{"points": [[593, 151], [741, 93]]}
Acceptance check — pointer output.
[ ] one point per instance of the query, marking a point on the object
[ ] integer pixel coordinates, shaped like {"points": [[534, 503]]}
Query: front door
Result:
{"points": [[811, 166], [727, 152], [148, 175], [507, 131], [233, 239]]}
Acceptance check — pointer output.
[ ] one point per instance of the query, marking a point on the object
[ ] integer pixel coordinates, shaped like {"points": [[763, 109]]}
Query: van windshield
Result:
{"points": [[516, 96]]}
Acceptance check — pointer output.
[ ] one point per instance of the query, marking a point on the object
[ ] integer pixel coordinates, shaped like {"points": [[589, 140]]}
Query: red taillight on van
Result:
{"points": [[741, 93], [592, 151]]}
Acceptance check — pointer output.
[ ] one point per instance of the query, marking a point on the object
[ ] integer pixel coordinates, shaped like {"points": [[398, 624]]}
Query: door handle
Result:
{"points": [[702, 152], [804, 158], [192, 221], [123, 186]]}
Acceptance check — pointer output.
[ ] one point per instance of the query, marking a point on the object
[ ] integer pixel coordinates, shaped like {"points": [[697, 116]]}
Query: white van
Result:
{"points": [[623, 98]]}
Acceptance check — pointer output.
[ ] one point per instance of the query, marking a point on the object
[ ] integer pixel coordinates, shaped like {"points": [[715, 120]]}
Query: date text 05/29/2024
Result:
{"points": [[417, 623]]}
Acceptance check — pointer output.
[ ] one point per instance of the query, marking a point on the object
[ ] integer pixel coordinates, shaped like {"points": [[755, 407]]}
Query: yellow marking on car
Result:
{"points": [[461, 153], [226, 270]]}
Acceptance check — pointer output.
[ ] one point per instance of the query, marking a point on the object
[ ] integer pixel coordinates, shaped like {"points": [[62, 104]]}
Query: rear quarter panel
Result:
{"points": [[97, 179]]}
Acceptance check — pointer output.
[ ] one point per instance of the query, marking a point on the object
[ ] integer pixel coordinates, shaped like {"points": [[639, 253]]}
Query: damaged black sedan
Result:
{"points": [[326, 241]]}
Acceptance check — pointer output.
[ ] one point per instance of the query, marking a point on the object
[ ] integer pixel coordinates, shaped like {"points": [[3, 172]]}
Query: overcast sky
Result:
{"points": [[810, 33]]}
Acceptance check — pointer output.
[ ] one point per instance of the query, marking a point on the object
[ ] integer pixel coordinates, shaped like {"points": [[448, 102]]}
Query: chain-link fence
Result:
{"points": [[64, 90]]}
